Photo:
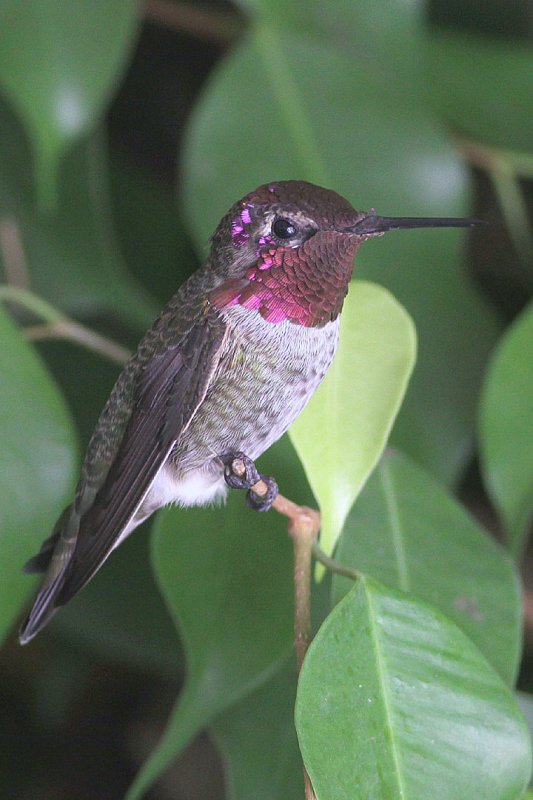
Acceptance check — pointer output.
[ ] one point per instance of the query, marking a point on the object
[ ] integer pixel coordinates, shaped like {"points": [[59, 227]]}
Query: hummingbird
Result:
{"points": [[226, 368]]}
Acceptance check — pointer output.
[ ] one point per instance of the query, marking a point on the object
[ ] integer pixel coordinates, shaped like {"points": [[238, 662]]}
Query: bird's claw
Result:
{"points": [[263, 502], [240, 472]]}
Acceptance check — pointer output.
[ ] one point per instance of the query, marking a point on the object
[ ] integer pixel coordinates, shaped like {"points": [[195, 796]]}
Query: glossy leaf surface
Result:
{"points": [[408, 532], [387, 684], [361, 393]]}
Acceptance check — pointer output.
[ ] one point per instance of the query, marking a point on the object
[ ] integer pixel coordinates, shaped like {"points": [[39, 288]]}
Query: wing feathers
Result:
{"points": [[172, 387]]}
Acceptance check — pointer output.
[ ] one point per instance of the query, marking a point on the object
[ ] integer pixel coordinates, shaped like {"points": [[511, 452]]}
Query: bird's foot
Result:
{"points": [[263, 502], [240, 472]]}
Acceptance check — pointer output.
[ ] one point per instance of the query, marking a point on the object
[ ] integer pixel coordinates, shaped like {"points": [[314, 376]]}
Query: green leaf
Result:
{"points": [[58, 70], [408, 532], [73, 259], [483, 87], [386, 35], [226, 577], [120, 616], [324, 115], [394, 701], [257, 741], [505, 425], [37, 463], [361, 394]]}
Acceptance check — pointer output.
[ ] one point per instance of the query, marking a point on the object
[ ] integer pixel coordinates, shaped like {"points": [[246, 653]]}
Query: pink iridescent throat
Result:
{"points": [[306, 285]]}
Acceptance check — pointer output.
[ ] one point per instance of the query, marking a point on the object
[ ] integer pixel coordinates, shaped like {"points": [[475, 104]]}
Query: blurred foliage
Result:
{"points": [[505, 434], [124, 136]]}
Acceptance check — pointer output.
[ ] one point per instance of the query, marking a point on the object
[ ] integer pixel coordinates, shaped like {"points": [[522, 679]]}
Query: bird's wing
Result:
{"points": [[171, 388]]}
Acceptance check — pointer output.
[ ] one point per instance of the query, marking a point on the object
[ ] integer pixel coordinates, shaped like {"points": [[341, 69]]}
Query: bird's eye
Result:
{"points": [[283, 228]]}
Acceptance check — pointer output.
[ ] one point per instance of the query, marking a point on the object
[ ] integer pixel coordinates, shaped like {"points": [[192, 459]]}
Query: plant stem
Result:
{"points": [[505, 169], [334, 566], [304, 527], [79, 334], [32, 302], [303, 530], [58, 326]]}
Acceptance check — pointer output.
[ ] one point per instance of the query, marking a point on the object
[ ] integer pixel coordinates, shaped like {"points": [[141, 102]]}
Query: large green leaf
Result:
{"points": [[226, 577], [58, 67], [483, 87], [37, 464], [505, 426], [408, 532], [72, 259], [257, 741], [342, 432], [387, 35], [294, 107], [395, 702]]}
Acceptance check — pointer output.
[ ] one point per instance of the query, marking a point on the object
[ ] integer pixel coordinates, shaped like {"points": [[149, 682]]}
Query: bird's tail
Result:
{"points": [[53, 559]]}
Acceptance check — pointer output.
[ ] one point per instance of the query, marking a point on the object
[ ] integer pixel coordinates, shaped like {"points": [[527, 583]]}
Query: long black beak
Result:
{"points": [[372, 224]]}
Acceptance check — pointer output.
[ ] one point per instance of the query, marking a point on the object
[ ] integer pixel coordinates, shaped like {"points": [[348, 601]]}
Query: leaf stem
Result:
{"points": [[75, 332], [486, 157], [32, 302], [505, 169], [334, 566], [58, 326], [289, 98], [515, 214]]}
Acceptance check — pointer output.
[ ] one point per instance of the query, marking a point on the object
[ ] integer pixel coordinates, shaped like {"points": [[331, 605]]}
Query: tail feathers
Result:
{"points": [[53, 558], [42, 610], [41, 561]]}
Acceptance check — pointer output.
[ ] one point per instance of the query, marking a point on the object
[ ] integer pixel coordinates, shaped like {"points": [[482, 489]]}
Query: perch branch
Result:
{"points": [[58, 326], [304, 527], [79, 334]]}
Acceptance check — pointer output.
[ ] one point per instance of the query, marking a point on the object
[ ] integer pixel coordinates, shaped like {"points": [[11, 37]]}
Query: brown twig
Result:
{"points": [[304, 527], [73, 331]]}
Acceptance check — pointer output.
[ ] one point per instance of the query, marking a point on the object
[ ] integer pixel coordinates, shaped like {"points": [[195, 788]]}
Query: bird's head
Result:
{"points": [[289, 248]]}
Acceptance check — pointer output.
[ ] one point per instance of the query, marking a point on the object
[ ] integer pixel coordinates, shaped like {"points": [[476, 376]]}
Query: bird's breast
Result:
{"points": [[266, 375]]}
